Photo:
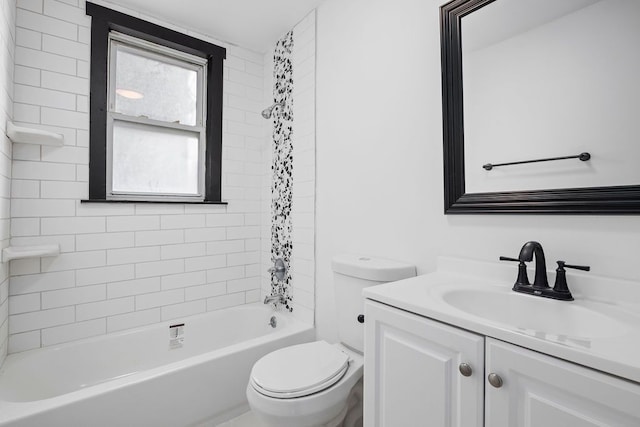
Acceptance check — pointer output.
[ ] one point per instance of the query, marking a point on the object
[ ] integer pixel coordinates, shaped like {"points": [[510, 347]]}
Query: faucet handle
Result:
{"points": [[279, 269], [577, 267], [560, 286], [522, 279]]}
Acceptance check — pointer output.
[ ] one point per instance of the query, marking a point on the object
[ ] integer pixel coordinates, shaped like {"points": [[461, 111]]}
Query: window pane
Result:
{"points": [[147, 159], [154, 89]]}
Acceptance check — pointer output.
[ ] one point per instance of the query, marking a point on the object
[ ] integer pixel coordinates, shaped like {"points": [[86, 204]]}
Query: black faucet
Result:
{"points": [[527, 252], [540, 285]]}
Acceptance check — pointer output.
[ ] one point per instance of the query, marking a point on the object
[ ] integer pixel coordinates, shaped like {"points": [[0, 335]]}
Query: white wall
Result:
{"points": [[379, 159], [122, 265], [7, 49]]}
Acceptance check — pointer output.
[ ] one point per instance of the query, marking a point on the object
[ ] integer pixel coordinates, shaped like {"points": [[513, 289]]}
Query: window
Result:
{"points": [[156, 112], [155, 122]]}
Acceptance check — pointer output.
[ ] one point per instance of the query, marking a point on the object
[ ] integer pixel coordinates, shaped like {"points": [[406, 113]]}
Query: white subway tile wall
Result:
{"points": [[265, 188], [7, 55], [122, 265], [304, 170]]}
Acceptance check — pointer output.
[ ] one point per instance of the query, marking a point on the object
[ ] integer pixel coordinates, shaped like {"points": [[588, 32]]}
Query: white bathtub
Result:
{"points": [[133, 378]]}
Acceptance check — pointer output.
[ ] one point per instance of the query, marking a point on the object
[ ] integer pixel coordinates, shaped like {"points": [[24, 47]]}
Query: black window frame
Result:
{"points": [[105, 20]]}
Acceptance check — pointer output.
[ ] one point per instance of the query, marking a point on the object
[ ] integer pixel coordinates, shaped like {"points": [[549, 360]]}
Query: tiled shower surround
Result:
{"points": [[7, 47], [282, 166], [289, 185], [126, 265], [122, 265]]}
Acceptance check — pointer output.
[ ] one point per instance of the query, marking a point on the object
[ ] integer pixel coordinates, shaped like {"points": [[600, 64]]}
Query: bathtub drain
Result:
{"points": [[273, 321]]}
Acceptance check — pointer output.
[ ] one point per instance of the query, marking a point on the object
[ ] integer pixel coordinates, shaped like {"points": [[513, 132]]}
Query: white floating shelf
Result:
{"points": [[19, 252], [27, 135]]}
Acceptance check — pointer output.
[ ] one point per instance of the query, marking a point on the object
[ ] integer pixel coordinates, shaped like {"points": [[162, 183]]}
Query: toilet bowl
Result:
{"points": [[320, 384]]}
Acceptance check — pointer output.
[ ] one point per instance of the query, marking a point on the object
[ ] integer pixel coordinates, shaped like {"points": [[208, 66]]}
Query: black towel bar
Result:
{"points": [[582, 156]]}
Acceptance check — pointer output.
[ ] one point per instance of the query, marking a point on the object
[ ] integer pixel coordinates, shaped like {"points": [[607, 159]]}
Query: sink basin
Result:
{"points": [[533, 315]]}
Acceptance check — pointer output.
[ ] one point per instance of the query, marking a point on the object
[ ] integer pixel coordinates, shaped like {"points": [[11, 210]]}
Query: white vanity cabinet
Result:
{"points": [[543, 391], [412, 371], [413, 378]]}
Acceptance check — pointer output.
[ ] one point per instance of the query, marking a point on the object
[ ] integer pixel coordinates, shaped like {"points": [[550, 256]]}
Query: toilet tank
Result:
{"points": [[351, 274]]}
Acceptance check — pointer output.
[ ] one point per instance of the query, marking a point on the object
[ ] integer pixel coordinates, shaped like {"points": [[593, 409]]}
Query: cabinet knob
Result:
{"points": [[495, 380], [465, 369]]}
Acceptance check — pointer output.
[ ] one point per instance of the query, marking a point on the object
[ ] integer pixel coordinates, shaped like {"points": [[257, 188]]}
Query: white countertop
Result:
{"points": [[616, 352]]}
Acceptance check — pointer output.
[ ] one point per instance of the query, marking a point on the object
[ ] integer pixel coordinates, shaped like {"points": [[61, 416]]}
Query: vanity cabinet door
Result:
{"points": [[542, 391], [412, 374]]}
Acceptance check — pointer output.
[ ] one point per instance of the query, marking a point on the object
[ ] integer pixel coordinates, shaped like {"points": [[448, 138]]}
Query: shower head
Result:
{"points": [[266, 113]]}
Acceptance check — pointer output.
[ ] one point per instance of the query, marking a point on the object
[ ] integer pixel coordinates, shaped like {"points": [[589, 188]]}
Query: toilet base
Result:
{"points": [[354, 415], [348, 414]]}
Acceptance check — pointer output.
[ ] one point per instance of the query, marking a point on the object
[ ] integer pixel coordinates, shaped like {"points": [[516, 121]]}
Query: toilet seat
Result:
{"points": [[299, 370]]}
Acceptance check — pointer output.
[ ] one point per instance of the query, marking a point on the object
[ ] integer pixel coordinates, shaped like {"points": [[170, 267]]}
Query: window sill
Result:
{"points": [[184, 202]]}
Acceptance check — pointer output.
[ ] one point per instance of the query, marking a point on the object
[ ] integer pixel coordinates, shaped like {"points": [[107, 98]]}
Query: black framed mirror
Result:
{"points": [[531, 186]]}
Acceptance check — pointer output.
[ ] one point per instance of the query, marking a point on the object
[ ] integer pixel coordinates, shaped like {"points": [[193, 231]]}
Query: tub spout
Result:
{"points": [[274, 299]]}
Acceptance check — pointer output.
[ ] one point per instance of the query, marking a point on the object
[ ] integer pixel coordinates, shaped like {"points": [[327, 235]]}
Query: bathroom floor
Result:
{"points": [[248, 419]]}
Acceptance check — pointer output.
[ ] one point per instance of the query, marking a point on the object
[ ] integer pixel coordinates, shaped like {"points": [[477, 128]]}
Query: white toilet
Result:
{"points": [[317, 383]]}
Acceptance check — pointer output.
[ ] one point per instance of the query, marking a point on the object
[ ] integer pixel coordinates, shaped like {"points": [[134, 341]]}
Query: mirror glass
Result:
{"points": [[551, 78]]}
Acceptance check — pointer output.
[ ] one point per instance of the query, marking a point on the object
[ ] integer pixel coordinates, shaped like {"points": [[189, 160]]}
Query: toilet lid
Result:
{"points": [[299, 370]]}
